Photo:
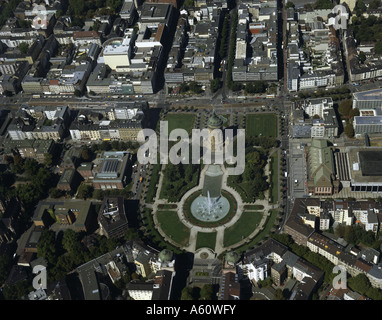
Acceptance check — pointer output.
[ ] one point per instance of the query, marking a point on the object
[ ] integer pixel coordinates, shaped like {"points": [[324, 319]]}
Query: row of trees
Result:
{"points": [[347, 113], [336, 93], [361, 284], [256, 87], [190, 86], [113, 145], [207, 292], [224, 36], [81, 10], [356, 235], [231, 53], [264, 142]]}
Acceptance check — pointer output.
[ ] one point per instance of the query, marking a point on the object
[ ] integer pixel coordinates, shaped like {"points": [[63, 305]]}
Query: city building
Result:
{"points": [[78, 214], [112, 217], [364, 172], [321, 178], [157, 289], [33, 149], [110, 173], [369, 99]]}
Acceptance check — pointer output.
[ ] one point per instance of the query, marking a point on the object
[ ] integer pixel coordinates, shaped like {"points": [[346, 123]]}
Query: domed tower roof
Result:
{"points": [[215, 121], [165, 255]]}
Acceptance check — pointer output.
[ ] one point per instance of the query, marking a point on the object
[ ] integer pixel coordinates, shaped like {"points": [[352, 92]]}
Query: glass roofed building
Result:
{"points": [[110, 172], [321, 178]]}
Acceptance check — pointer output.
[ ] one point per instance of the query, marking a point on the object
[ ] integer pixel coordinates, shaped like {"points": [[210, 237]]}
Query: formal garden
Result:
{"points": [[252, 185]]}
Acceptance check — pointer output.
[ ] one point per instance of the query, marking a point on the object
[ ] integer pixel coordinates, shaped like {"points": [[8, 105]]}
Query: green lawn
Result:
{"points": [[262, 234], [274, 187], [206, 239], [227, 117], [264, 125], [173, 227], [246, 224], [242, 188], [180, 121]]}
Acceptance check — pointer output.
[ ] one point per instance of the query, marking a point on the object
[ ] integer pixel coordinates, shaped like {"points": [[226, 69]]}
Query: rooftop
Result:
{"points": [[370, 95]]}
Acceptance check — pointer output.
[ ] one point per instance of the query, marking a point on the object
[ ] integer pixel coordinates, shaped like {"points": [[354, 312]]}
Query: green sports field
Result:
{"points": [[180, 121], [264, 125]]}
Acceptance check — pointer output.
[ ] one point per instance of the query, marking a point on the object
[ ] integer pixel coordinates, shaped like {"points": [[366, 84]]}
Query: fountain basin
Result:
{"points": [[210, 209], [209, 224]]}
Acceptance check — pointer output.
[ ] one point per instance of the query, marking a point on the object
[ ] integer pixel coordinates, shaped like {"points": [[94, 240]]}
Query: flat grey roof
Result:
{"points": [[368, 120], [375, 94]]}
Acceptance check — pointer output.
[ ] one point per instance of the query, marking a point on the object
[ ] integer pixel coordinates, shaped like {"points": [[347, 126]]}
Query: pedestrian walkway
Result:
{"points": [[219, 246]]}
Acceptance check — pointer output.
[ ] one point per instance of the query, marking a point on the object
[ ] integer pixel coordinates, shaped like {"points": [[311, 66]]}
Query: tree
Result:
{"points": [[58, 14], [18, 164], [189, 293], [76, 8], [359, 283], [46, 246], [362, 57], [323, 4], [349, 235], [349, 130], [56, 193], [345, 107], [375, 4], [71, 242], [23, 47], [279, 295], [131, 233], [5, 267], [85, 191], [360, 7], [289, 5], [215, 85], [184, 87], [31, 167], [17, 290], [48, 159], [207, 292], [105, 146], [86, 154], [29, 194], [256, 87], [77, 93], [98, 194], [24, 24], [188, 3], [378, 47], [195, 87]]}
